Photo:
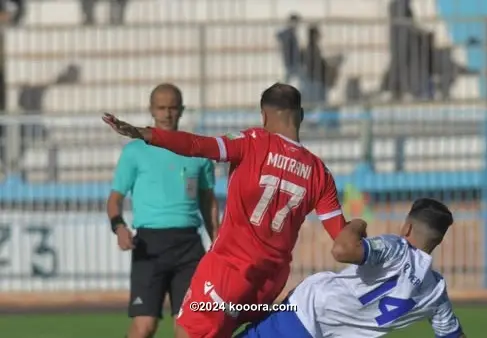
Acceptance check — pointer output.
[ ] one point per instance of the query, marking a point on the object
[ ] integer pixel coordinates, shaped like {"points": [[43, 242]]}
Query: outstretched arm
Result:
{"points": [[182, 143]]}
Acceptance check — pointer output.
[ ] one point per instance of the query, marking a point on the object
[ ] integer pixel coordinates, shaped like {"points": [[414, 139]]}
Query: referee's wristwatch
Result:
{"points": [[116, 222]]}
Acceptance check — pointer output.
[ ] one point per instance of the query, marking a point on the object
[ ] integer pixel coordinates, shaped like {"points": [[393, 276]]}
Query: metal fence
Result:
{"points": [[54, 234], [56, 164]]}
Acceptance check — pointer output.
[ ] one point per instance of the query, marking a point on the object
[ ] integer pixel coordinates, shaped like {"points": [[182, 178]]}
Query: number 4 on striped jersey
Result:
{"points": [[271, 185]]}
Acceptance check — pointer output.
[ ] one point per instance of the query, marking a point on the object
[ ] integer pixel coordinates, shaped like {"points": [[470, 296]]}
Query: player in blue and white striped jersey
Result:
{"points": [[390, 286]]}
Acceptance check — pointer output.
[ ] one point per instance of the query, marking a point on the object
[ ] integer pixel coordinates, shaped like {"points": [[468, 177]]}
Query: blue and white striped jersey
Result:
{"points": [[394, 287]]}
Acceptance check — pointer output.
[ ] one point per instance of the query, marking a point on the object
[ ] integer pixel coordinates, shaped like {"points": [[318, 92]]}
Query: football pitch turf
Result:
{"points": [[113, 325]]}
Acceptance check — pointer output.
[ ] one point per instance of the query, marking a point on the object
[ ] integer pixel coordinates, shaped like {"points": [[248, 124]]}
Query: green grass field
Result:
{"points": [[114, 325]]}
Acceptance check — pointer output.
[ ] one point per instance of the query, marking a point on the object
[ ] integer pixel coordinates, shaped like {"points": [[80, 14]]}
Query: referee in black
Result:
{"points": [[168, 192]]}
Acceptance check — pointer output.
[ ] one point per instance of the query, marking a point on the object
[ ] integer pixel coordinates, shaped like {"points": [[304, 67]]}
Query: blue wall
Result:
{"points": [[453, 11], [13, 189]]}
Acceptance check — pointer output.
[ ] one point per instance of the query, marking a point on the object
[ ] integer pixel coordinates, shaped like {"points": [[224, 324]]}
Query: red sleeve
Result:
{"points": [[334, 225], [221, 149], [328, 208], [233, 147]]}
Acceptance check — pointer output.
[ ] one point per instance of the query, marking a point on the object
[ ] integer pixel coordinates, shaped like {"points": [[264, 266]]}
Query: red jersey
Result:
{"points": [[274, 184]]}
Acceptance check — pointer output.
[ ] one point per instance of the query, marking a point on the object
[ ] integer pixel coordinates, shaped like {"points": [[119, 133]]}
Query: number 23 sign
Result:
{"points": [[30, 246]]}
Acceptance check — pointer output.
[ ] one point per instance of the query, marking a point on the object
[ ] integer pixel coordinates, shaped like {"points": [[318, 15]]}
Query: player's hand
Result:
{"points": [[122, 127], [124, 238], [359, 226]]}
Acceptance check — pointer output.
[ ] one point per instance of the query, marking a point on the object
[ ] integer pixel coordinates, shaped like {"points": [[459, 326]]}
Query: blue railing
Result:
{"points": [[15, 190]]}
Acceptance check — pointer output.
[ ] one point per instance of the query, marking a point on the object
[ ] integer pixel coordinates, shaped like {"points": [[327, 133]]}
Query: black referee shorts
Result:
{"points": [[163, 261]]}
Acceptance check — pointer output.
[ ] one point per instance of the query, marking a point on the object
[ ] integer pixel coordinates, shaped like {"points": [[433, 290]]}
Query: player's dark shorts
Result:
{"points": [[163, 262]]}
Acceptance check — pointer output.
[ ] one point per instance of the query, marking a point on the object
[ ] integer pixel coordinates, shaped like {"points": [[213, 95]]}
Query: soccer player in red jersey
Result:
{"points": [[274, 183]]}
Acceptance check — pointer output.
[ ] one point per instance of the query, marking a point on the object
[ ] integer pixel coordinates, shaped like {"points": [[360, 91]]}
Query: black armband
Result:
{"points": [[115, 221]]}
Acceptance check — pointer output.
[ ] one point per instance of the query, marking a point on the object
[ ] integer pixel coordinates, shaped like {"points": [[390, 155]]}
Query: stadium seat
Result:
{"points": [[47, 12], [73, 99], [110, 70], [72, 164], [361, 9], [91, 41], [76, 163], [156, 68], [120, 65], [237, 54], [93, 159]]}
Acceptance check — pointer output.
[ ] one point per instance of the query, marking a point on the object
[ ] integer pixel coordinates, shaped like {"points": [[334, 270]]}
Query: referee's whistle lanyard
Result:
{"points": [[185, 180], [186, 183], [183, 174]]}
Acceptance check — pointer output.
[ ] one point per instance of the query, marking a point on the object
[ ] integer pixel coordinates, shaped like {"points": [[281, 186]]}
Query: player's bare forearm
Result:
{"points": [[183, 143], [146, 134], [348, 247], [115, 205], [209, 211]]}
